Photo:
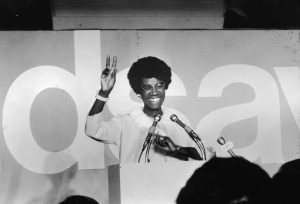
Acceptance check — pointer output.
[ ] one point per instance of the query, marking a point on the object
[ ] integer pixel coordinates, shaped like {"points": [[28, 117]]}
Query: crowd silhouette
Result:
{"points": [[236, 180]]}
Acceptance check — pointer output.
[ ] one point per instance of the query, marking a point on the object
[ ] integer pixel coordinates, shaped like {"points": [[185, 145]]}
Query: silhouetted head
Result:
{"points": [[286, 183], [79, 199], [226, 181]]}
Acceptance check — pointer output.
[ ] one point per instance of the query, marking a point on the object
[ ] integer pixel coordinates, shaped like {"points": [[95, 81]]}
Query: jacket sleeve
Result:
{"points": [[108, 132]]}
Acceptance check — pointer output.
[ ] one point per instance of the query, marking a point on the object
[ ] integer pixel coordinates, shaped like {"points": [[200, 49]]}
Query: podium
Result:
{"points": [[147, 183]]}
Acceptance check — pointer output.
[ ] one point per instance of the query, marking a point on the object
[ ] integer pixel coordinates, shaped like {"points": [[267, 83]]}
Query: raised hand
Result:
{"points": [[108, 76]]}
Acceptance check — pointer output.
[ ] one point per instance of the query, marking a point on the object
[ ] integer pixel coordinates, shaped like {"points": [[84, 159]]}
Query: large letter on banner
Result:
{"points": [[290, 84], [81, 86], [265, 107]]}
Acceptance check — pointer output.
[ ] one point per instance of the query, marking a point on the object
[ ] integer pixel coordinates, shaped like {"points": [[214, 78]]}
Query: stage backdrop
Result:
{"points": [[242, 85]]}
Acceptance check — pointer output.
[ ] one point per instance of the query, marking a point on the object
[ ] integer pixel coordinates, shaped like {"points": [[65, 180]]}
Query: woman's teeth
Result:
{"points": [[154, 99]]}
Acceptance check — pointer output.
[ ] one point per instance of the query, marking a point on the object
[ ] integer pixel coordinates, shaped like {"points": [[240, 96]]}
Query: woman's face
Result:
{"points": [[152, 94]]}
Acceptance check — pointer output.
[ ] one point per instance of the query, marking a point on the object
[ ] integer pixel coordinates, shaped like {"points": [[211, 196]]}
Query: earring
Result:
{"points": [[139, 95]]}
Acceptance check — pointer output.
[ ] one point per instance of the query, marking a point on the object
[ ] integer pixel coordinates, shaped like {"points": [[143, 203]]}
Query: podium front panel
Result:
{"points": [[147, 183]]}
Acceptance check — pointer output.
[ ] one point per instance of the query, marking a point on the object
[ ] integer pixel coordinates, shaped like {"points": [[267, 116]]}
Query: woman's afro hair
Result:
{"points": [[148, 67]]}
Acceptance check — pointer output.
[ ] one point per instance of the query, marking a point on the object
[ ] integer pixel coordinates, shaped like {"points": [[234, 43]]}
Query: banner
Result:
{"points": [[241, 85]]}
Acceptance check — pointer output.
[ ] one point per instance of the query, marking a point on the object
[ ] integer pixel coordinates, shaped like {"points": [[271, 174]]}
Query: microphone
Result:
{"points": [[147, 141], [226, 146], [151, 130], [188, 129], [192, 135]]}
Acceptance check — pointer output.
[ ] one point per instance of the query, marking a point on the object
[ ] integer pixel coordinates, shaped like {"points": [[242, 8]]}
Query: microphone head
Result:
{"points": [[174, 117], [221, 140], [157, 117]]}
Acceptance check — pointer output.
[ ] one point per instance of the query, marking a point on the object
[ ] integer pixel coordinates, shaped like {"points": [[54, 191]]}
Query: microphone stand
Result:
{"points": [[148, 150], [148, 140], [147, 145]]}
